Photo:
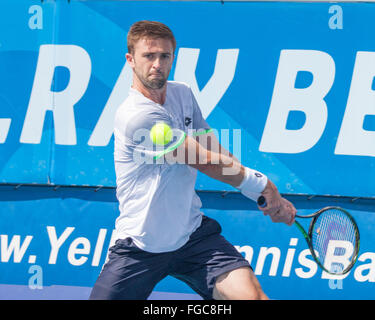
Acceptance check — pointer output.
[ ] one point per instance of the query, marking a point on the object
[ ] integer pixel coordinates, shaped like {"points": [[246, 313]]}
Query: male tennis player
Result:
{"points": [[161, 230]]}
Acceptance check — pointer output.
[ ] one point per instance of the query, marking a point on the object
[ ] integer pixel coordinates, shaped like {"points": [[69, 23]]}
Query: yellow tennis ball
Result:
{"points": [[161, 134]]}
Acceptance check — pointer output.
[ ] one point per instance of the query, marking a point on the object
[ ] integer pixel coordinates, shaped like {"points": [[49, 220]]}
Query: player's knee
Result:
{"points": [[259, 295], [253, 294], [238, 284], [240, 293]]}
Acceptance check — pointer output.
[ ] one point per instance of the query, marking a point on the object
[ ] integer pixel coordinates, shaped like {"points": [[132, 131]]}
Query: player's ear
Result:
{"points": [[130, 59]]}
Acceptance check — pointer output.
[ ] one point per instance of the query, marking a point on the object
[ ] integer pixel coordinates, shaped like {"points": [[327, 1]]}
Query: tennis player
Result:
{"points": [[161, 230]]}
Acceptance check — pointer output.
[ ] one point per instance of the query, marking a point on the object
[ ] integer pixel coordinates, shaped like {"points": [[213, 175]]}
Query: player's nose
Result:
{"points": [[157, 64]]}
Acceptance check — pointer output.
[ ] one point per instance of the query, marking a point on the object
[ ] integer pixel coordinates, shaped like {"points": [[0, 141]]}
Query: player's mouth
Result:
{"points": [[157, 76]]}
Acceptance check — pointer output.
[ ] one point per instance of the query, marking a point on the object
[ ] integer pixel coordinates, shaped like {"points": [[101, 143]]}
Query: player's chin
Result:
{"points": [[156, 82]]}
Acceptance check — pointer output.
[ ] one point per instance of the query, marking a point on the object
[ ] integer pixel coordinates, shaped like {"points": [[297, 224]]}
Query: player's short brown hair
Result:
{"points": [[151, 30]]}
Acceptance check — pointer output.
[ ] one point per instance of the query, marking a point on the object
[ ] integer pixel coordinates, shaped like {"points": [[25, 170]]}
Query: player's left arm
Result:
{"points": [[205, 154]]}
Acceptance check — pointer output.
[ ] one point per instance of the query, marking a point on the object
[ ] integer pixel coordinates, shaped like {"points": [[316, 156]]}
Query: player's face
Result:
{"points": [[152, 61]]}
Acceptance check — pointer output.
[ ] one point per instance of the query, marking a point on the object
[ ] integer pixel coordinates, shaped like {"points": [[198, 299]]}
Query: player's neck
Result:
{"points": [[156, 95]]}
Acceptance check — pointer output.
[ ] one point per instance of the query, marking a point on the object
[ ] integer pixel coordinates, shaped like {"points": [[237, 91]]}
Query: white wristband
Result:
{"points": [[253, 184]]}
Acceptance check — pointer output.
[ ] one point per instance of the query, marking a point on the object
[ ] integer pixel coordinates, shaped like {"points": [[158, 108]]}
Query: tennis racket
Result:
{"points": [[333, 238]]}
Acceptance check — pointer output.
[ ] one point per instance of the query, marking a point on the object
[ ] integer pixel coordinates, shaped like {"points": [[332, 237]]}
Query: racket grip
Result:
{"points": [[262, 202]]}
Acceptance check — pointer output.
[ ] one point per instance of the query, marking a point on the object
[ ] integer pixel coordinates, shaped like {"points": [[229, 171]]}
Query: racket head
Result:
{"points": [[334, 233]]}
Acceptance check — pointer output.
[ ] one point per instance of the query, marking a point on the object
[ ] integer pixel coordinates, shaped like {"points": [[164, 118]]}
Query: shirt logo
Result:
{"points": [[187, 121]]}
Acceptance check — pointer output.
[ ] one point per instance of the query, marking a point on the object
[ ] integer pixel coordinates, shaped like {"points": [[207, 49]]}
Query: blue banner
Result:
{"points": [[288, 87], [58, 253]]}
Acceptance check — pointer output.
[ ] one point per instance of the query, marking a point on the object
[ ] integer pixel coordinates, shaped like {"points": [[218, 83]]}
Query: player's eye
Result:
{"points": [[165, 56]]}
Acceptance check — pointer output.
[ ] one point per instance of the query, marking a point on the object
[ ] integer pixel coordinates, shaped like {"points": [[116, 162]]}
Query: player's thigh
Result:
{"points": [[129, 273], [238, 284], [205, 257]]}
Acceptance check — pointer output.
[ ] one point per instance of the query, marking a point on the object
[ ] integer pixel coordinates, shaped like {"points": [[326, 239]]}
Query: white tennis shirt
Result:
{"points": [[159, 208]]}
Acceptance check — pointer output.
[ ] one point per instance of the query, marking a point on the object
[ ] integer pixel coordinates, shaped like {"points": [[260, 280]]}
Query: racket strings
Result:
{"points": [[332, 224]]}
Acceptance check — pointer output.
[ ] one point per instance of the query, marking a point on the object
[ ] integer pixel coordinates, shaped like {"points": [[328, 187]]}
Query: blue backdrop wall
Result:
{"points": [[288, 87]]}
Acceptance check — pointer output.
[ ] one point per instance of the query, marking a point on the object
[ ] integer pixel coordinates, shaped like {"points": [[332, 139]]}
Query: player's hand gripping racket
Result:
{"points": [[333, 238]]}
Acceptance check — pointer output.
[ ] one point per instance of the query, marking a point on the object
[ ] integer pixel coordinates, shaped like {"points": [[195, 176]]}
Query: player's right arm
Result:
{"points": [[205, 154]]}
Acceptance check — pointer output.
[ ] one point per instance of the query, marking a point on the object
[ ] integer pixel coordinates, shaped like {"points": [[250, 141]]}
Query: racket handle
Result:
{"points": [[262, 202]]}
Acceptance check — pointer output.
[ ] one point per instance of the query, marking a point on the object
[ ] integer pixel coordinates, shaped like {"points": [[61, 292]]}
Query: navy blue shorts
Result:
{"points": [[131, 273]]}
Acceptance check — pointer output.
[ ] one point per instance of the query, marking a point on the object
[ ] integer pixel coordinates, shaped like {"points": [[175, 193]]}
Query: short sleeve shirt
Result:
{"points": [[159, 208]]}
